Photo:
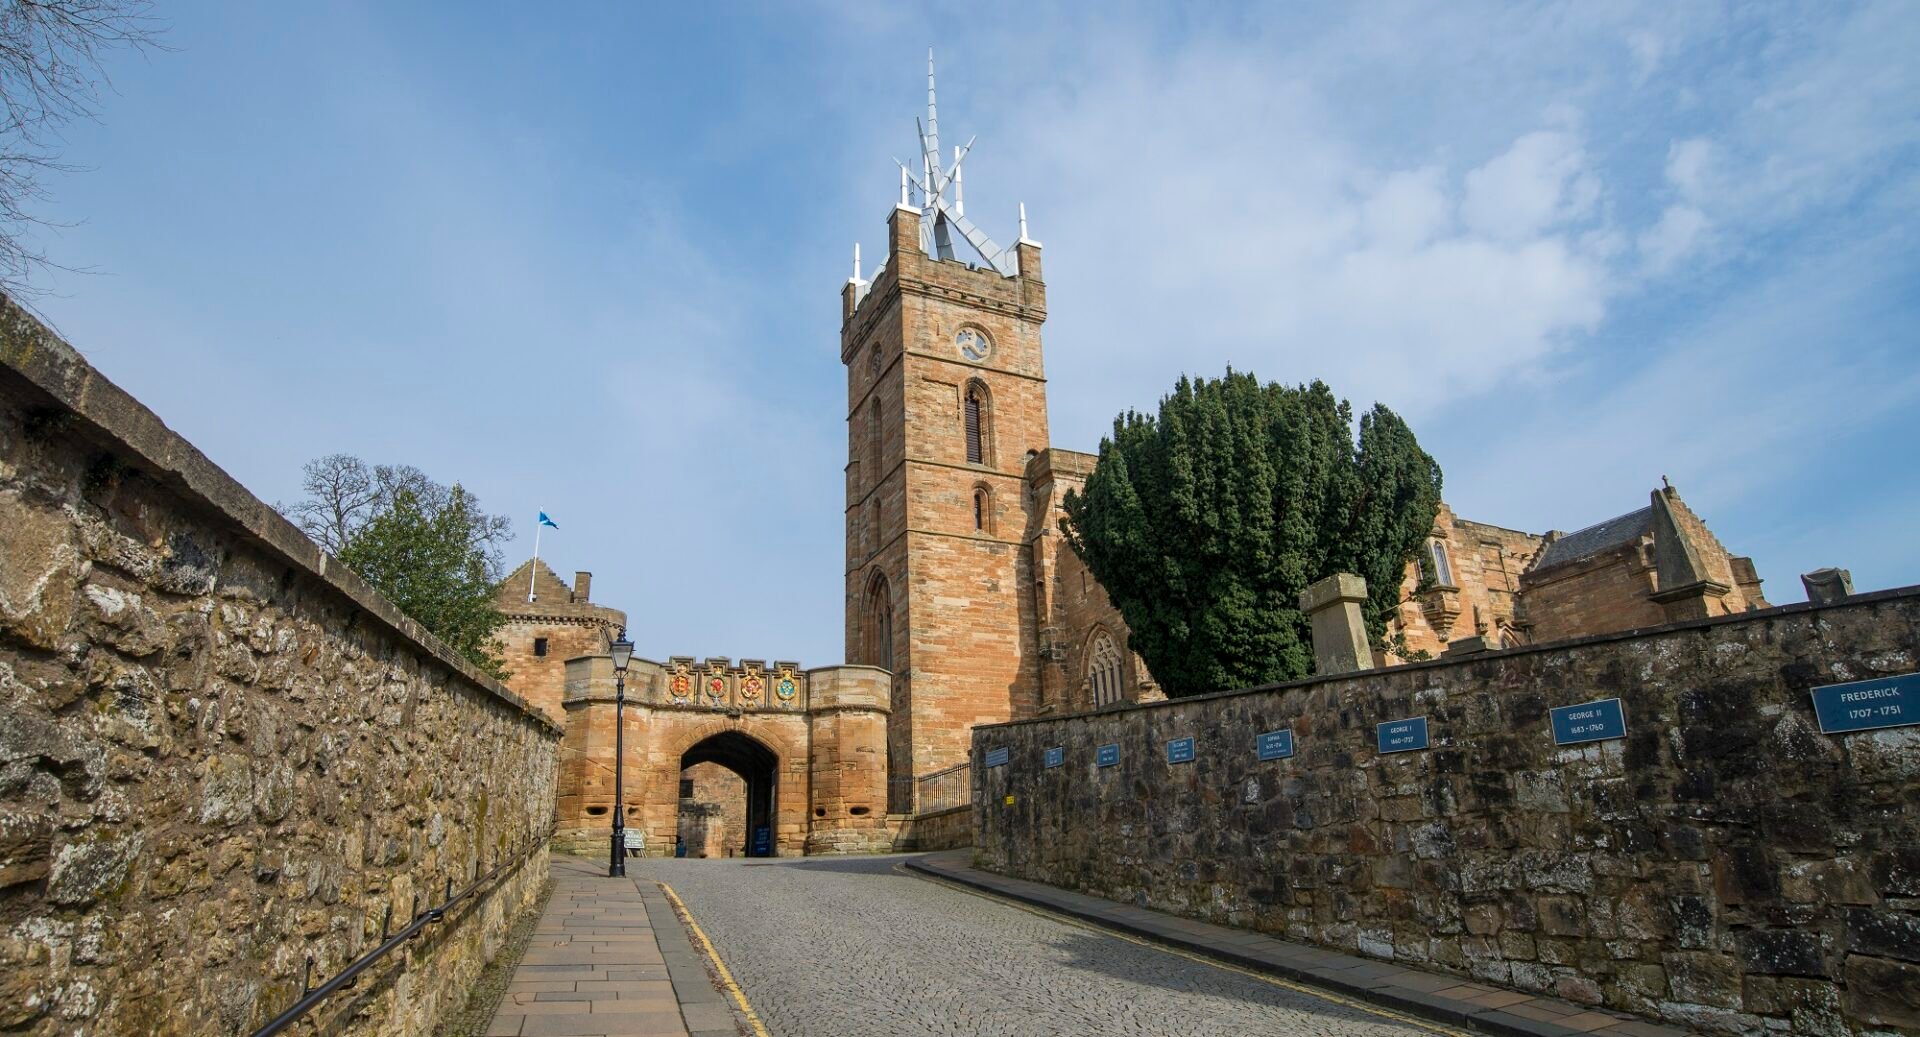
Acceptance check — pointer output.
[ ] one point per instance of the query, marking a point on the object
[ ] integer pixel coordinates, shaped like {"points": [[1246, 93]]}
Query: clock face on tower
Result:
{"points": [[974, 344]]}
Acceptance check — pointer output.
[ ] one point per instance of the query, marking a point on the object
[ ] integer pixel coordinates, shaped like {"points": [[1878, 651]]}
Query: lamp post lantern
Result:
{"points": [[622, 651]]}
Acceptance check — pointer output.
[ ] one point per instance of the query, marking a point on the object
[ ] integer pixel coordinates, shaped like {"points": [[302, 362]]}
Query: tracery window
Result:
{"points": [[1104, 670]]}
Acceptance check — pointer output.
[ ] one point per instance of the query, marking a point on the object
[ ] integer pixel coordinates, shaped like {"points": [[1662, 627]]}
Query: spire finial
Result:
{"points": [[1023, 222], [856, 262], [933, 111], [959, 201], [904, 203]]}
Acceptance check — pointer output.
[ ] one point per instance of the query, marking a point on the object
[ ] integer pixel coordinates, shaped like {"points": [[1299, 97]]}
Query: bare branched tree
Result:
{"points": [[50, 74], [345, 493]]}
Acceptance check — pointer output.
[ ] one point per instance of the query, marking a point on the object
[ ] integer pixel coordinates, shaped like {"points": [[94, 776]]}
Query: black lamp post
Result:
{"points": [[622, 651]]}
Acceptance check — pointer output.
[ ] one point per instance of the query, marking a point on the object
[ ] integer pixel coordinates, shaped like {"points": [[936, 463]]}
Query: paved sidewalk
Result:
{"points": [[1442, 998], [610, 959]]}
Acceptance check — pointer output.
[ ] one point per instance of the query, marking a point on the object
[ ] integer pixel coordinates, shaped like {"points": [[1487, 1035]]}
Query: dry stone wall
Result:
{"points": [[1725, 867], [220, 755]]}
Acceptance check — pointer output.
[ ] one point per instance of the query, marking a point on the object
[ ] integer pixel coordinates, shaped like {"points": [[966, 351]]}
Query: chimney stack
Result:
{"points": [[582, 583]]}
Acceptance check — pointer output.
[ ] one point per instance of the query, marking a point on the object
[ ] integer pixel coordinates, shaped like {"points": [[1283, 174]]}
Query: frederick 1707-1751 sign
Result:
{"points": [[1867, 705]]}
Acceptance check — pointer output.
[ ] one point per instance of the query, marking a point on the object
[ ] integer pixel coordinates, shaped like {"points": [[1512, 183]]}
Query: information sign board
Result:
{"points": [[1107, 755], [1275, 745], [1399, 736], [997, 757], [1056, 756], [1180, 750], [1868, 705], [1589, 722]]}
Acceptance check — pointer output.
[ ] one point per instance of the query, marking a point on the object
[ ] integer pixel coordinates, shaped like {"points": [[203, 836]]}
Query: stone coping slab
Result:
{"points": [[31, 353], [1432, 995], [609, 958], [1477, 658]]}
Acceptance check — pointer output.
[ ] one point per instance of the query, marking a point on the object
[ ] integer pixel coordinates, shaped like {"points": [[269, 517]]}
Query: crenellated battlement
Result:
{"points": [[720, 685]]}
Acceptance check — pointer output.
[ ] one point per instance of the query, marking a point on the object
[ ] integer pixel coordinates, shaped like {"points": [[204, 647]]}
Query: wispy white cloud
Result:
{"points": [[1558, 238]]}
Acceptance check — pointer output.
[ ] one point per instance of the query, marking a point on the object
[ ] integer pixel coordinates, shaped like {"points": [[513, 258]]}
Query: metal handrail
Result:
{"points": [[943, 790], [311, 998], [930, 775]]}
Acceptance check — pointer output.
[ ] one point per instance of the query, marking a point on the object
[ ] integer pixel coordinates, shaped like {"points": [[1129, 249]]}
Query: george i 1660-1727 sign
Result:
{"points": [[1868, 705]]}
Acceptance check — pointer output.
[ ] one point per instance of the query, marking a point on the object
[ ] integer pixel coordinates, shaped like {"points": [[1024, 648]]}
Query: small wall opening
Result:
{"points": [[857, 811], [596, 811]]}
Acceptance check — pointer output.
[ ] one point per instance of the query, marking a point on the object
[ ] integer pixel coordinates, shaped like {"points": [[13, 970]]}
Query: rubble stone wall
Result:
{"points": [[1725, 867], [220, 753]]}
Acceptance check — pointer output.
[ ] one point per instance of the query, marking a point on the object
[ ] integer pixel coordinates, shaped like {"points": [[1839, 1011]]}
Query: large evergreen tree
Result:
{"points": [[1206, 521]]}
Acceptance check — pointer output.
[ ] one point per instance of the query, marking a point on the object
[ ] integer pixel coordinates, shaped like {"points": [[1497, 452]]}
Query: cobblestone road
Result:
{"points": [[848, 947]]}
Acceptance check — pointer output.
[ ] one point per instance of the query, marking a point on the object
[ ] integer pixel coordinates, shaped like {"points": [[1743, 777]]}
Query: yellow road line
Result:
{"points": [[1054, 916], [726, 978]]}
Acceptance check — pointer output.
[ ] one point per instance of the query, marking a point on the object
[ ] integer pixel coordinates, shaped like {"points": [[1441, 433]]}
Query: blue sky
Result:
{"points": [[593, 265]]}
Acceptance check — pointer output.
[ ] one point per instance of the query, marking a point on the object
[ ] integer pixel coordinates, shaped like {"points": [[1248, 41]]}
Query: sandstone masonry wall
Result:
{"points": [[221, 754], [1725, 867]]}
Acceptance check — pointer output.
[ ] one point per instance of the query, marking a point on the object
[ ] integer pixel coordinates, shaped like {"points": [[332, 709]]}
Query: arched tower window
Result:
{"points": [[982, 510], [873, 438], [1438, 566], [879, 623], [979, 416], [1103, 670]]}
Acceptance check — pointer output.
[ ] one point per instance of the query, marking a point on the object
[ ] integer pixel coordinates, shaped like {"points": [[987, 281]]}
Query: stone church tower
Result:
{"points": [[946, 403]]}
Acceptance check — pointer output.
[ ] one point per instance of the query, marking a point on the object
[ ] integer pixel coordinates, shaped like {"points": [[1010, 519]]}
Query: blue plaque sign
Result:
{"points": [[1107, 755], [1275, 745], [997, 757], [1180, 750], [762, 843], [1868, 705], [1589, 722], [1399, 736], [1056, 756]]}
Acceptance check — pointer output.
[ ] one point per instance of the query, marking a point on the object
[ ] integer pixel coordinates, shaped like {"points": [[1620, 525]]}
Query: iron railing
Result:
{"points": [[900, 794], [944, 790], [312, 996]]}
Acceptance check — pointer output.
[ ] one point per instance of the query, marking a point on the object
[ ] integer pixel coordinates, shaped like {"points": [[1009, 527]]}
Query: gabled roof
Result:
{"points": [[1601, 536]]}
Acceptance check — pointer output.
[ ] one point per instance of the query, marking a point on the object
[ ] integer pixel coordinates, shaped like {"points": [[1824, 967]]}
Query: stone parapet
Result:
{"points": [[1725, 866], [225, 754]]}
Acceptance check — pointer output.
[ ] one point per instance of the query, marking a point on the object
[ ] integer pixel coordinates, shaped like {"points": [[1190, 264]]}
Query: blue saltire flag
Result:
{"points": [[545, 521]]}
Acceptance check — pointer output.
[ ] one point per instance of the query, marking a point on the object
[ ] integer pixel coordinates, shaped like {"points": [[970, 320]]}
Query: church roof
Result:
{"points": [[1601, 536]]}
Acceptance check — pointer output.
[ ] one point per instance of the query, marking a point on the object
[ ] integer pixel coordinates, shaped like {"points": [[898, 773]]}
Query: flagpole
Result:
{"points": [[535, 567]]}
